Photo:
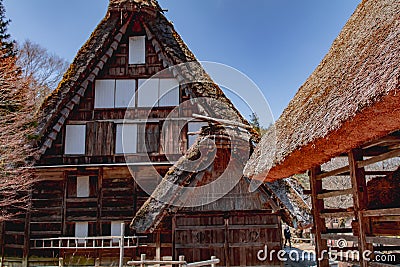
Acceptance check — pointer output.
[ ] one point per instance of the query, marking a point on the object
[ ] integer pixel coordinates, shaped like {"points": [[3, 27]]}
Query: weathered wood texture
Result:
{"points": [[360, 199], [101, 123], [384, 192], [235, 238], [319, 222]]}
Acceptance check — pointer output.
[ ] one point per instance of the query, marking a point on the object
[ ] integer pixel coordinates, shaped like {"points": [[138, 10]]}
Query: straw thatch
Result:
{"points": [[171, 51], [351, 98], [179, 188]]}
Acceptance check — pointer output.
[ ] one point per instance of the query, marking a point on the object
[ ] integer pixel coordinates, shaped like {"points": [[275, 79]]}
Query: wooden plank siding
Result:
{"points": [[234, 237]]}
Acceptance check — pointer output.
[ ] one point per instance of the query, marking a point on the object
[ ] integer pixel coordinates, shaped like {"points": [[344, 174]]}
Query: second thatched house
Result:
{"points": [[348, 108]]}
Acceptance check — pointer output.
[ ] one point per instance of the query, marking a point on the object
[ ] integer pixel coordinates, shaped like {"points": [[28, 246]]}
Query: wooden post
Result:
{"points": [[360, 199], [174, 252], [27, 232], [2, 225], [213, 258], [181, 258], [226, 245], [158, 246], [319, 223], [121, 246], [143, 260]]}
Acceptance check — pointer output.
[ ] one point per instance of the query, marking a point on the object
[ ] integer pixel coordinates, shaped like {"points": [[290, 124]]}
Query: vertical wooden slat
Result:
{"points": [[360, 198], [141, 138], [2, 228], [152, 138], [71, 186], [319, 223], [64, 205], [226, 247], [100, 138], [27, 234], [174, 252], [99, 200], [158, 246]]}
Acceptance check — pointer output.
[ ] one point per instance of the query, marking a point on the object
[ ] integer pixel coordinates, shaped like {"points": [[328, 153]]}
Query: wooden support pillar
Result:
{"points": [[226, 244], [27, 233], [2, 229], [360, 199], [319, 223], [174, 252], [158, 246]]}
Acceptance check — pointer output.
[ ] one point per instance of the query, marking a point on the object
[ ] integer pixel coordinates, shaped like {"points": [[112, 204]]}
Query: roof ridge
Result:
{"points": [[141, 3]]}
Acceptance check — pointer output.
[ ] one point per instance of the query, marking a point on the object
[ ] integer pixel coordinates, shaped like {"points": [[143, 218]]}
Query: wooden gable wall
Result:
{"points": [[101, 122]]}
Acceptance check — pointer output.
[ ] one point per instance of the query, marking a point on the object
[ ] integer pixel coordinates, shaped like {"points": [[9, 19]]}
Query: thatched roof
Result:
{"points": [[131, 3], [179, 190], [171, 51], [104, 41], [352, 97]]}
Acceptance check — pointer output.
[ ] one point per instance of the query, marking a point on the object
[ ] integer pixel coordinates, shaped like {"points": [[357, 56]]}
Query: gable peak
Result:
{"points": [[134, 3]]}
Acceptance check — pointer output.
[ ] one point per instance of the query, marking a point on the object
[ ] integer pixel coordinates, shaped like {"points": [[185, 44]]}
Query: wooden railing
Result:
{"points": [[181, 262], [100, 242]]}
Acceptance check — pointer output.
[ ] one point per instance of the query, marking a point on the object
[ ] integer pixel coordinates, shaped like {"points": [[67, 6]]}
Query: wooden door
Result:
{"points": [[235, 238]]}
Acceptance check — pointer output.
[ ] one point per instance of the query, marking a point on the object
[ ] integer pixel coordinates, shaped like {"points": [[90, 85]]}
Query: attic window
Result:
{"points": [[75, 139], [137, 50], [158, 93], [114, 93]]}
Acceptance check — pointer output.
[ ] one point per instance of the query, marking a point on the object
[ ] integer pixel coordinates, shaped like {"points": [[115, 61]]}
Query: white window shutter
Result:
{"points": [[75, 139], [137, 50], [169, 93], [104, 94], [125, 93], [82, 186], [148, 93], [126, 139], [81, 229], [194, 127]]}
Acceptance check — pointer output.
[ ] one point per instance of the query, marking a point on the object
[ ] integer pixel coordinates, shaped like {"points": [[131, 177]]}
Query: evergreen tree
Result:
{"points": [[255, 122], [6, 44]]}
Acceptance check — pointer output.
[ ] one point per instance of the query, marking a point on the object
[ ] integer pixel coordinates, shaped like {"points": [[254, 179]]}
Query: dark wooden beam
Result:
{"points": [[360, 199], [27, 235], [2, 243], [363, 163], [319, 222]]}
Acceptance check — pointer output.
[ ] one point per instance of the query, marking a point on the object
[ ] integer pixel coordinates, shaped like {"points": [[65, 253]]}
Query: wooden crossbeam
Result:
{"points": [[382, 212], [373, 160], [335, 193], [222, 121]]}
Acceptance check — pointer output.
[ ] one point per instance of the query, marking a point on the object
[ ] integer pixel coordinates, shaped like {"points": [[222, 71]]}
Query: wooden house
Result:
{"points": [[100, 134], [348, 108]]}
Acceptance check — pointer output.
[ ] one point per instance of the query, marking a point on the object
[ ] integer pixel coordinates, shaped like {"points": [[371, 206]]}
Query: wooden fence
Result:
{"points": [[181, 262]]}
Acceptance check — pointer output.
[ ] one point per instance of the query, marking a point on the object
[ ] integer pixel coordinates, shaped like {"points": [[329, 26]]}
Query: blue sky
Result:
{"points": [[276, 43]]}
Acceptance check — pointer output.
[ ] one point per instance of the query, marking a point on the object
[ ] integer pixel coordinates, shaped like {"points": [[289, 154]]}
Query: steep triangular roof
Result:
{"points": [[351, 98], [91, 58], [102, 44], [179, 189]]}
